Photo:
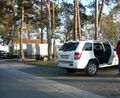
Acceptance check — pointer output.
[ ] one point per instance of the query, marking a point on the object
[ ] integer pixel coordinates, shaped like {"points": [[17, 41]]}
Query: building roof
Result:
{"points": [[34, 41]]}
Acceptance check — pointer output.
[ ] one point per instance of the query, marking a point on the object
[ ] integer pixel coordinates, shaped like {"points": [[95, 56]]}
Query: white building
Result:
{"points": [[32, 47]]}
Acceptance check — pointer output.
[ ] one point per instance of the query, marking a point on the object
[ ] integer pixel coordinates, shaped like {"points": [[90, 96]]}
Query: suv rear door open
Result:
{"points": [[108, 52], [99, 52]]}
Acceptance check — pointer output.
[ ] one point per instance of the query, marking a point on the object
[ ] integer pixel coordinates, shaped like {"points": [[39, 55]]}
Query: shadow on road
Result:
{"points": [[110, 72]]}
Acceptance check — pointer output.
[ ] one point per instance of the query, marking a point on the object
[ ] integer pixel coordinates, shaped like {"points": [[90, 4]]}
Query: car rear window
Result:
{"points": [[69, 46]]}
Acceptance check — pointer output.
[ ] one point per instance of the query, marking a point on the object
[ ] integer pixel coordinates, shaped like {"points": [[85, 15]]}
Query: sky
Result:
{"points": [[86, 2], [82, 1]]}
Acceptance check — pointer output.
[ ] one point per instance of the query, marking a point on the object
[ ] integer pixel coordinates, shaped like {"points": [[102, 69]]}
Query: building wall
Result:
{"points": [[32, 48]]}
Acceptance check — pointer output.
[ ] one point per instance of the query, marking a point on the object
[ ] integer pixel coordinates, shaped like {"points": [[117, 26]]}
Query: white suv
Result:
{"points": [[87, 55]]}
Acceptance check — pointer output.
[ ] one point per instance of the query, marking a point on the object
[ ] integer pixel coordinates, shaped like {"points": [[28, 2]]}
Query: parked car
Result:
{"points": [[40, 57], [87, 55], [3, 54]]}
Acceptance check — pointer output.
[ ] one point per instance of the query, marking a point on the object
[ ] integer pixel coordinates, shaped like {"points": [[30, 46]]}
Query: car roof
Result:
{"points": [[91, 41]]}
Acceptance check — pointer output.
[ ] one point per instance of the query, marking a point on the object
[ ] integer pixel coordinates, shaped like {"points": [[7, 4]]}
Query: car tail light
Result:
{"points": [[77, 55]]}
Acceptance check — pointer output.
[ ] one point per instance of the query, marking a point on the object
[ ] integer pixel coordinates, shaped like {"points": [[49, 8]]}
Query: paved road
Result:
{"points": [[105, 83], [26, 81]]}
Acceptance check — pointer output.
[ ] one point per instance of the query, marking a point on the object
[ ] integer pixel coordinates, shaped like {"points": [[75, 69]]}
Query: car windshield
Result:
{"points": [[69, 46]]}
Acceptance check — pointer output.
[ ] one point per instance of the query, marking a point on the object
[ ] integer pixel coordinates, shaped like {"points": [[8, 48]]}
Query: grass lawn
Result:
{"points": [[51, 63]]}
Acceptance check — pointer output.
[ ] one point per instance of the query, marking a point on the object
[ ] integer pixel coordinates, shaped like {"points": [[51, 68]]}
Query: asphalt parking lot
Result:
{"points": [[105, 83]]}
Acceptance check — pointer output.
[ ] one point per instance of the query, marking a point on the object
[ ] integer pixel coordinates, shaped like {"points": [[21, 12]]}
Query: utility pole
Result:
{"points": [[96, 19]]}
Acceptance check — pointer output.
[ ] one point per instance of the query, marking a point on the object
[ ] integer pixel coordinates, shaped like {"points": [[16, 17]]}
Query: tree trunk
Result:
{"points": [[42, 35], [21, 30], [96, 19], [54, 50], [12, 50], [49, 29], [41, 21], [79, 24], [53, 32], [101, 12], [75, 19]]}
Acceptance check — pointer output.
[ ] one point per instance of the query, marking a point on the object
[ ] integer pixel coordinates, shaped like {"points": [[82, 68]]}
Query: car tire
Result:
{"points": [[45, 58], [70, 70], [91, 68]]}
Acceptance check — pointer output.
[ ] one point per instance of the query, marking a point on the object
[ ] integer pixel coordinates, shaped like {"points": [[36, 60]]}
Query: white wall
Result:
{"points": [[38, 49], [17, 46]]}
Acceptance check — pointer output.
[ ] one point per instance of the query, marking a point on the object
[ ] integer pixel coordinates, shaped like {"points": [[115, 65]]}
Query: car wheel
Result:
{"points": [[91, 68], [45, 58], [70, 70]]}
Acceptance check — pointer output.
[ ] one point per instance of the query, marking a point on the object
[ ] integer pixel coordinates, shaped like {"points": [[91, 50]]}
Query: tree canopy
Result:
{"points": [[61, 22]]}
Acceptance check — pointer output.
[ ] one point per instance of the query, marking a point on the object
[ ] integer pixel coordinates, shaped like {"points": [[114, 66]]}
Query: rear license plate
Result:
{"points": [[64, 56]]}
